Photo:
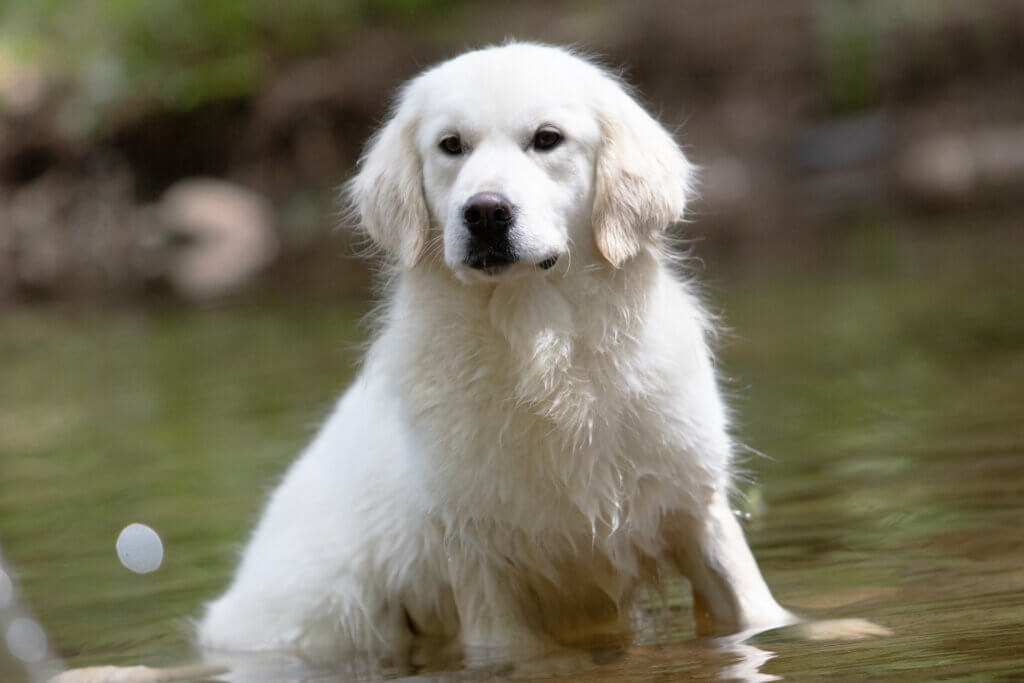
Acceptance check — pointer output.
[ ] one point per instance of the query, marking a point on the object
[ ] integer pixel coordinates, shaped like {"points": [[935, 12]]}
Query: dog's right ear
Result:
{"points": [[387, 191]]}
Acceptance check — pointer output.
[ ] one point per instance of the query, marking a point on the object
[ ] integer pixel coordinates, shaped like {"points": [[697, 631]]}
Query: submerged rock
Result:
{"points": [[138, 674]]}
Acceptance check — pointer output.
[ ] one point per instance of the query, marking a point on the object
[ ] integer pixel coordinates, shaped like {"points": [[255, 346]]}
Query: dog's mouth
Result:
{"points": [[548, 263], [490, 262], [495, 262]]}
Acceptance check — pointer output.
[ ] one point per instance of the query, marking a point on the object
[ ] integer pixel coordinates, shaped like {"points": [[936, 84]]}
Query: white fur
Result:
{"points": [[521, 452]]}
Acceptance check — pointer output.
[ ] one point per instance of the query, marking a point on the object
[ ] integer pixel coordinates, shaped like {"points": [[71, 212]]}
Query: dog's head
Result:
{"points": [[514, 158]]}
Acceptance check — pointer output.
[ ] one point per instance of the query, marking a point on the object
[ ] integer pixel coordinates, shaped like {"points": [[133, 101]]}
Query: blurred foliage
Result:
{"points": [[180, 53], [868, 46], [846, 104], [848, 36]]}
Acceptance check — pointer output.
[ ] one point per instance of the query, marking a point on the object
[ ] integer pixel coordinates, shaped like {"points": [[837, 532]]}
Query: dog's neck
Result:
{"points": [[560, 335], [565, 358], [598, 304]]}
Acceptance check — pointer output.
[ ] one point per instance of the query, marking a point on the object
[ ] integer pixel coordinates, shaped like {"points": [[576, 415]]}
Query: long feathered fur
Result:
{"points": [[517, 458]]}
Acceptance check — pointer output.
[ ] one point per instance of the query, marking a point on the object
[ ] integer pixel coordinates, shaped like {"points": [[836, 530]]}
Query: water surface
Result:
{"points": [[885, 406]]}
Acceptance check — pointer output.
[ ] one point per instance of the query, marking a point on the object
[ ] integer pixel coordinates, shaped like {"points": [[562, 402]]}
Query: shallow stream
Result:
{"points": [[883, 406]]}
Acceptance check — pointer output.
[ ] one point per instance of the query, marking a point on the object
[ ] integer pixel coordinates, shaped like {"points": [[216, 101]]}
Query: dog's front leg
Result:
{"points": [[493, 622], [729, 593]]}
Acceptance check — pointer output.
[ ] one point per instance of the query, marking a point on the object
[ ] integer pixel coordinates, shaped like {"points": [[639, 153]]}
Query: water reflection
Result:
{"points": [[729, 659]]}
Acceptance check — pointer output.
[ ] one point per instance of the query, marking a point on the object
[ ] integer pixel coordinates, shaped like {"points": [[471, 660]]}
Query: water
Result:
{"points": [[888, 403]]}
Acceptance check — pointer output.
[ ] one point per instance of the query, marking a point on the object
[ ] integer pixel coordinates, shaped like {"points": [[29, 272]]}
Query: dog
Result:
{"points": [[537, 435]]}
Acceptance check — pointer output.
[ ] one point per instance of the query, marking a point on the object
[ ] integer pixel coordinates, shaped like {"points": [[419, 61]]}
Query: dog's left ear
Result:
{"points": [[642, 180], [387, 191]]}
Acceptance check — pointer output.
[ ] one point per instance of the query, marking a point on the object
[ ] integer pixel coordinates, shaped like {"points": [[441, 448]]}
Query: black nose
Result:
{"points": [[488, 215]]}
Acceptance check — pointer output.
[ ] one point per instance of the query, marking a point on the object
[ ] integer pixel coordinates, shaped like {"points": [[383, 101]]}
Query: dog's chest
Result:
{"points": [[521, 419]]}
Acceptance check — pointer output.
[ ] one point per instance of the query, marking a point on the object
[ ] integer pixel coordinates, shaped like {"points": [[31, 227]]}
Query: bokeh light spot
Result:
{"points": [[26, 640], [140, 549]]}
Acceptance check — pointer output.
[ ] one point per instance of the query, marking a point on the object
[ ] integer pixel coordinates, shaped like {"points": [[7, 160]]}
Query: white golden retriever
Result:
{"points": [[537, 434]]}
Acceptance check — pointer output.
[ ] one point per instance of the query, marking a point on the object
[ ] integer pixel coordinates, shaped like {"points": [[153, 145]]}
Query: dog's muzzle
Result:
{"points": [[489, 218]]}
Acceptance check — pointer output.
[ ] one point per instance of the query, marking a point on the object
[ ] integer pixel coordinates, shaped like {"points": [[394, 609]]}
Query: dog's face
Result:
{"points": [[508, 157], [515, 159]]}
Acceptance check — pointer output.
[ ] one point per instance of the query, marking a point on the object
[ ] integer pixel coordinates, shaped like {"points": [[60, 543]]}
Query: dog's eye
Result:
{"points": [[546, 138], [451, 144]]}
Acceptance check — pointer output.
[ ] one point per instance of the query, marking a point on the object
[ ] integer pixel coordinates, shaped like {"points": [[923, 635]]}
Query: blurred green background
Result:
{"points": [[178, 308], [810, 120]]}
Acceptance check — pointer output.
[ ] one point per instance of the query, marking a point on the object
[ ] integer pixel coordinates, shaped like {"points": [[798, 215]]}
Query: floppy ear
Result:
{"points": [[387, 191], [642, 180]]}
